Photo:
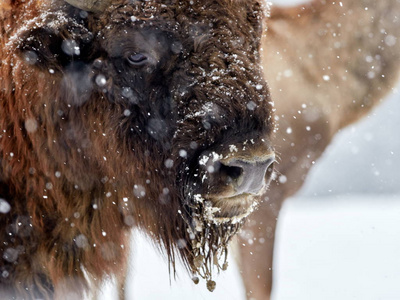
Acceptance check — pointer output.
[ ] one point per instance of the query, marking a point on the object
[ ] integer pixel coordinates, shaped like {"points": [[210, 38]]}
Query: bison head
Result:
{"points": [[142, 113]]}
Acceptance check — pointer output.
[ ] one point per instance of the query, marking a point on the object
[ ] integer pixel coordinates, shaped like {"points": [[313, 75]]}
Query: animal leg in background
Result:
{"points": [[333, 62]]}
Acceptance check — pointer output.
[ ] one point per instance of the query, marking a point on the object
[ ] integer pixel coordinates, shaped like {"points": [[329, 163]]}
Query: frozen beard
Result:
{"points": [[210, 233]]}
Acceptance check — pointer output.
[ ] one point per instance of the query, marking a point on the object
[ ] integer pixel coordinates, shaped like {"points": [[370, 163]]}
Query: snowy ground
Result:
{"points": [[339, 248], [331, 248], [338, 239]]}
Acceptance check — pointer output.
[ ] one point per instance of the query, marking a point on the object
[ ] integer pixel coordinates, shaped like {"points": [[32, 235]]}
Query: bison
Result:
{"points": [[120, 114]]}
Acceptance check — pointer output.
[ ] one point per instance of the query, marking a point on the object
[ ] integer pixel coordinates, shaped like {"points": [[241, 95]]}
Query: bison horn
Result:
{"points": [[95, 6]]}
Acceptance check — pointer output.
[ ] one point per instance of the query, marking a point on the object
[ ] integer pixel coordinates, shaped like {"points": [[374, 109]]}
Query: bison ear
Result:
{"points": [[49, 49]]}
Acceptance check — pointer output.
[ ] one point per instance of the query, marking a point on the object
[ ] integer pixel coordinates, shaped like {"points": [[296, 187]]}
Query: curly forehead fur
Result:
{"points": [[95, 142]]}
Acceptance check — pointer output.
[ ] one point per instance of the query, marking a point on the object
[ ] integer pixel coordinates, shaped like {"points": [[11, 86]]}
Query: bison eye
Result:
{"points": [[138, 59]]}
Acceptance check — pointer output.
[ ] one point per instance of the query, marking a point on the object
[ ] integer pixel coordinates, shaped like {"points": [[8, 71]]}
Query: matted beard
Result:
{"points": [[210, 235]]}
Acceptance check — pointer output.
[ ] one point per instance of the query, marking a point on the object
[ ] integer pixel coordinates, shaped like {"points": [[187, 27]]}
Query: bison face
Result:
{"points": [[157, 111]]}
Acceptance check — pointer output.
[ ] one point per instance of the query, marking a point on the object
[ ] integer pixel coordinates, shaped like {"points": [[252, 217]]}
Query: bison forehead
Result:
{"points": [[215, 45], [189, 18]]}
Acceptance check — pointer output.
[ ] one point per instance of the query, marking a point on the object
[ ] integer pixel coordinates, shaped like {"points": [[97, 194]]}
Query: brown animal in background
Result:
{"points": [[327, 63], [152, 114]]}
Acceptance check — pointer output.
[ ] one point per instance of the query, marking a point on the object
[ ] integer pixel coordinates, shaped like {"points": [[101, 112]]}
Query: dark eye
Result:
{"points": [[138, 59]]}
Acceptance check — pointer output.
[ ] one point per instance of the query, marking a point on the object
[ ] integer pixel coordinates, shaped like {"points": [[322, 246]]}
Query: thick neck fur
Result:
{"points": [[339, 66]]}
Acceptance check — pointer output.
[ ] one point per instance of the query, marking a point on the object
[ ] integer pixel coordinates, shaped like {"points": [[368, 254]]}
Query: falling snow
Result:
{"points": [[365, 163], [5, 207]]}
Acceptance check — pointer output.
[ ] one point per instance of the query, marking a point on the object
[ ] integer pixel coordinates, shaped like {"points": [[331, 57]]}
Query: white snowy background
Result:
{"points": [[339, 238]]}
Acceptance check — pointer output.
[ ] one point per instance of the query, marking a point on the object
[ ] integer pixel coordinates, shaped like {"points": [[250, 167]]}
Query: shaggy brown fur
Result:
{"points": [[94, 141]]}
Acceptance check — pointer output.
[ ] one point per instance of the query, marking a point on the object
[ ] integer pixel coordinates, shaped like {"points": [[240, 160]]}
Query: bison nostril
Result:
{"points": [[249, 176], [232, 172]]}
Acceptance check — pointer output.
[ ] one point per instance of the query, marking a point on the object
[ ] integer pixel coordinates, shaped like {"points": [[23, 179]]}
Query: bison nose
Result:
{"points": [[248, 175]]}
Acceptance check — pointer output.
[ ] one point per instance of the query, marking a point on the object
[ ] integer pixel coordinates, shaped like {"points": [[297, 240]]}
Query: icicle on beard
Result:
{"points": [[210, 236]]}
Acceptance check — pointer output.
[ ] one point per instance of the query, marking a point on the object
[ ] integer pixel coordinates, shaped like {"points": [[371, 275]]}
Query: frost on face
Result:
{"points": [[233, 148], [210, 158], [208, 111], [210, 163]]}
